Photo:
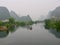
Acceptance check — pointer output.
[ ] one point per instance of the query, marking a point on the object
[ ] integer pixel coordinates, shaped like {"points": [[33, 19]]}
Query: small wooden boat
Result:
{"points": [[30, 28]]}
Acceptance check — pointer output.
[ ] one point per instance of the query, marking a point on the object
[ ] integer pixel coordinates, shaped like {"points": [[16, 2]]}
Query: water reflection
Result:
{"points": [[29, 27], [57, 34], [4, 34], [37, 36], [12, 29]]}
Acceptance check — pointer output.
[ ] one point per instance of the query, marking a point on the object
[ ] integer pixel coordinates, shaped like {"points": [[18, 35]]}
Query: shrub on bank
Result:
{"points": [[52, 24]]}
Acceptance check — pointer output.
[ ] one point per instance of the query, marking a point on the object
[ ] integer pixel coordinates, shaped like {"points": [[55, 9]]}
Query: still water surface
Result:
{"points": [[37, 36]]}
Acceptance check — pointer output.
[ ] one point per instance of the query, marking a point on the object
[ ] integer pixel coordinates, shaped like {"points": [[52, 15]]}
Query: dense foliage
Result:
{"points": [[52, 24], [11, 24]]}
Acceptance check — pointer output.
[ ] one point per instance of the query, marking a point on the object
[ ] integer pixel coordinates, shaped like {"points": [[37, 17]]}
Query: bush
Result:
{"points": [[11, 20], [1, 23], [22, 24], [29, 23], [52, 24], [57, 25], [47, 24]]}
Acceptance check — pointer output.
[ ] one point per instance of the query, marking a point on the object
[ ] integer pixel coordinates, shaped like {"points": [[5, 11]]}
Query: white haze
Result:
{"points": [[37, 9]]}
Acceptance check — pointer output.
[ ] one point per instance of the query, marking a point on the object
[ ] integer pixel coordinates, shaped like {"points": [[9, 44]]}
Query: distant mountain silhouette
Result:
{"points": [[21, 19], [4, 13], [25, 18], [56, 12], [14, 15]]}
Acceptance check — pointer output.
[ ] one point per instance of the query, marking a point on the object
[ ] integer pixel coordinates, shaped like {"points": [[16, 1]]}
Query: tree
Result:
{"points": [[11, 20], [1, 23], [22, 24]]}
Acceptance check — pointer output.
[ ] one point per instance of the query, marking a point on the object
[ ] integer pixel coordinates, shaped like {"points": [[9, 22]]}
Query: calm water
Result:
{"points": [[37, 36]]}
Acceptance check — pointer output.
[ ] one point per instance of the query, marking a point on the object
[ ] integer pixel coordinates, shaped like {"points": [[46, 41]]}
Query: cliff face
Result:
{"points": [[25, 18], [4, 13], [14, 15], [56, 13], [21, 19]]}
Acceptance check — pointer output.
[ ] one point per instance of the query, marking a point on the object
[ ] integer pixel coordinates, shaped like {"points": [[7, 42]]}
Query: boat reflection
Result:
{"points": [[29, 27]]}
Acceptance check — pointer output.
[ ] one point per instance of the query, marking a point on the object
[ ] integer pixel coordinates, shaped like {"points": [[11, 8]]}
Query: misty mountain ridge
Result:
{"points": [[55, 13], [21, 19], [25, 18], [14, 15], [4, 13]]}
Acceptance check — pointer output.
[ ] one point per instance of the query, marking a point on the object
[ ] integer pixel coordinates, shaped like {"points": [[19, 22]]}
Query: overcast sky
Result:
{"points": [[35, 8]]}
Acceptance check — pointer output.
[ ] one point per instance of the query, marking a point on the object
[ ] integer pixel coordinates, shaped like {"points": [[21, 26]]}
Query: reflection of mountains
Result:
{"points": [[57, 34]]}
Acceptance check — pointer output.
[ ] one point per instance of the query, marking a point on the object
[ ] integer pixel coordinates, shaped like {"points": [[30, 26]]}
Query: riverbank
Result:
{"points": [[52, 24], [12, 24]]}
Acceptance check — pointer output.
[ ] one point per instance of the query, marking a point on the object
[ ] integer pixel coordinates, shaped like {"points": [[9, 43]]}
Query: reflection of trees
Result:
{"points": [[57, 34], [12, 29], [3, 33]]}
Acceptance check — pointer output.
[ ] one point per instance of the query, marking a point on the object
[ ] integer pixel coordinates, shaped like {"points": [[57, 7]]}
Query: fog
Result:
{"points": [[37, 9]]}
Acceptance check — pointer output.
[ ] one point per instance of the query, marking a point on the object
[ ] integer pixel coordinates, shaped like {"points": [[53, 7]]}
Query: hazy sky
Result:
{"points": [[35, 8]]}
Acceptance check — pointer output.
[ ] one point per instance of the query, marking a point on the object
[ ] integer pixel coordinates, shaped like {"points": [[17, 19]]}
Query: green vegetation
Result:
{"points": [[11, 24], [52, 24], [11, 20], [1, 23], [29, 23], [23, 23]]}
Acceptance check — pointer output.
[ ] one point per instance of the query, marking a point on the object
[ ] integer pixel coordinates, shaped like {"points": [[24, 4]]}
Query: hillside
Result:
{"points": [[14, 15], [25, 18], [56, 13], [4, 13], [21, 19]]}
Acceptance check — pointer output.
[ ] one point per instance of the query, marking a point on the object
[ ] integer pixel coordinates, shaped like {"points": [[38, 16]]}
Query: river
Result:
{"points": [[37, 36]]}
